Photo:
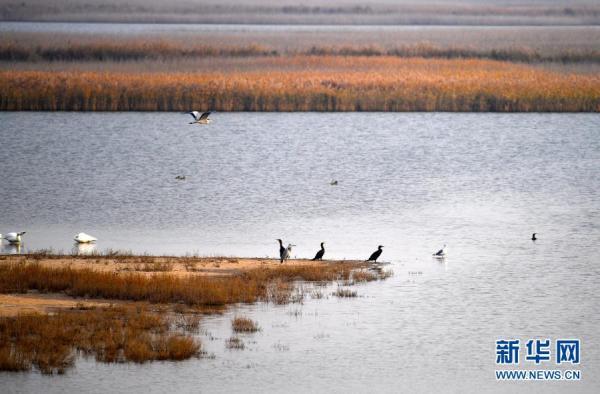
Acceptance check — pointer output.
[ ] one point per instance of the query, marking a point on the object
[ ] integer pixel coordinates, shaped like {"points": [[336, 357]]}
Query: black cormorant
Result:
{"points": [[533, 237], [320, 253], [283, 253], [376, 254]]}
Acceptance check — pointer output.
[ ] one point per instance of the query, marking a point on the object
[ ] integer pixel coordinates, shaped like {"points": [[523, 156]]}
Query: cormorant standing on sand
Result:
{"points": [[283, 253], [320, 253], [533, 237], [376, 254]]}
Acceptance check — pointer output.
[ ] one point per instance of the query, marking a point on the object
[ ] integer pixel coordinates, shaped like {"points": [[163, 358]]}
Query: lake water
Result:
{"points": [[481, 183], [120, 29]]}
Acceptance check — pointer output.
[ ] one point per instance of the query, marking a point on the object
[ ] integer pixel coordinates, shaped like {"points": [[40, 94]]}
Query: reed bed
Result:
{"points": [[325, 84], [51, 342], [142, 50], [248, 286]]}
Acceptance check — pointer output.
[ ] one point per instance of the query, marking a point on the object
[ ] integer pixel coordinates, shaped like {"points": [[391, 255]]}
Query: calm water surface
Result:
{"points": [[482, 183], [175, 28]]}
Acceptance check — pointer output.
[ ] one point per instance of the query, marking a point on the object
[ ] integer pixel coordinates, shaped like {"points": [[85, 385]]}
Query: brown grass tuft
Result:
{"points": [[243, 324], [345, 293], [235, 343]]}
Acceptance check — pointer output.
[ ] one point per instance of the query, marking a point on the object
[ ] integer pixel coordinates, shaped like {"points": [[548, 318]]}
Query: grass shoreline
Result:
{"points": [[150, 314]]}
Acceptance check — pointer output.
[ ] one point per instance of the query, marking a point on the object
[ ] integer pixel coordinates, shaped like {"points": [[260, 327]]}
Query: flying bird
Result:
{"points": [[200, 118], [84, 238], [14, 238], [441, 252], [320, 253], [376, 254], [533, 237]]}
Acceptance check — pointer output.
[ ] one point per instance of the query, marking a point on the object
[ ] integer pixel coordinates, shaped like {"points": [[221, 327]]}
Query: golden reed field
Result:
{"points": [[311, 83]]}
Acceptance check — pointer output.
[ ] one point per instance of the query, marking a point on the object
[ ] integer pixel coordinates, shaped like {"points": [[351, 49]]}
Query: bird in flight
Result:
{"points": [[200, 118]]}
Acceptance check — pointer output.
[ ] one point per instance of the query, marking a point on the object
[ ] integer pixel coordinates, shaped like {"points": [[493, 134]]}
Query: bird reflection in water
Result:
{"points": [[84, 248]]}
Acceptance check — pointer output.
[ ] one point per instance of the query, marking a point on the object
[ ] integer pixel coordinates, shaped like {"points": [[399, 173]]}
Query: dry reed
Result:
{"points": [[244, 324], [50, 342], [375, 84], [248, 286]]}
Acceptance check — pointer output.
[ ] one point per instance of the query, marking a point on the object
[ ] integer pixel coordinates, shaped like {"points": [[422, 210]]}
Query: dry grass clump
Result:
{"points": [[244, 324], [235, 343], [321, 84], [363, 276], [50, 342], [345, 293]]}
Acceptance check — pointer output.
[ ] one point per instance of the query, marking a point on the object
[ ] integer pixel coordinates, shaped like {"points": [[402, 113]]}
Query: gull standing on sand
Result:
{"points": [[200, 118], [289, 250], [320, 253], [84, 238], [14, 238], [376, 254]]}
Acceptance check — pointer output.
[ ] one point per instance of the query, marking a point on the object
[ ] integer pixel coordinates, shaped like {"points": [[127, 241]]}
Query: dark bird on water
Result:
{"points": [[533, 237], [283, 252], [376, 254], [320, 253], [441, 252]]}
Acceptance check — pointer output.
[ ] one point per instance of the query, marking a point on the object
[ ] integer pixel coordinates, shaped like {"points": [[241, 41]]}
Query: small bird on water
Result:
{"points": [[533, 237], [14, 238], [180, 177], [441, 252], [320, 253], [200, 118], [333, 182], [376, 254]]}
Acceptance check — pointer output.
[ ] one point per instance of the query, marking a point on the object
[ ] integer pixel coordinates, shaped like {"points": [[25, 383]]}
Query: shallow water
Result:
{"points": [[482, 183]]}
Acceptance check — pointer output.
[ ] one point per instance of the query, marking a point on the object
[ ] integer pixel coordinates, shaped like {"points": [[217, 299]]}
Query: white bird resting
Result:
{"points": [[84, 238], [14, 238]]}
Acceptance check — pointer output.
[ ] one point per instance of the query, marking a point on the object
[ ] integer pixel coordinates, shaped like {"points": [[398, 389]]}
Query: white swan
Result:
{"points": [[200, 118], [14, 238], [84, 238]]}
